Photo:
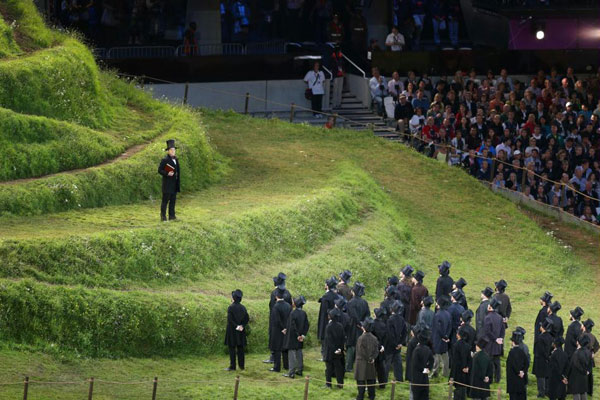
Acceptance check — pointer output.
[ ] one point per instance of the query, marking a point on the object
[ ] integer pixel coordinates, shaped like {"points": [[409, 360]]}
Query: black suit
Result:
{"points": [[170, 186]]}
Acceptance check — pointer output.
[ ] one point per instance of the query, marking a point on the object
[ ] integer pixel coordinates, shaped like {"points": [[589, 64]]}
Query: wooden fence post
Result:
{"points": [[523, 179], [450, 384], [236, 387], [499, 394], [185, 93], [25, 387], [393, 394], [335, 117], [492, 174], [246, 103], [91, 391], [154, 386], [292, 112], [306, 387], [142, 78]]}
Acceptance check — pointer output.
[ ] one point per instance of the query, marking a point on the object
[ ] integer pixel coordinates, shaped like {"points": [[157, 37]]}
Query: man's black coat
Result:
{"points": [[170, 184]]}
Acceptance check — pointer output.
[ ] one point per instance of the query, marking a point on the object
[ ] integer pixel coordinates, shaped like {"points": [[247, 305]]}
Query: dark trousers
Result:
{"points": [[316, 102], [240, 356], [497, 369], [350, 355], [394, 361], [517, 396], [370, 389], [169, 198], [460, 392], [381, 370], [335, 366], [542, 385], [277, 355]]}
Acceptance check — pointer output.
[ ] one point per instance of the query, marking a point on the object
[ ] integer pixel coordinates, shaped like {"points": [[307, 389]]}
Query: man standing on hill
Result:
{"points": [[169, 169]]}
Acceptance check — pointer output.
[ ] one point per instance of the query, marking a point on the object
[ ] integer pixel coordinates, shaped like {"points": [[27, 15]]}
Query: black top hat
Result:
{"points": [[358, 289], [547, 324], [583, 340], [397, 307], [466, 316], [443, 301], [340, 302], [419, 275], [368, 324], [546, 297], [331, 282], [392, 292], [334, 314], [555, 307], [559, 341], [516, 337], [170, 144], [299, 301], [487, 292], [236, 295], [277, 280], [393, 280], [460, 283], [577, 313], [521, 330], [424, 335], [407, 271], [589, 324], [501, 285], [427, 301], [482, 342], [380, 312], [495, 303], [457, 294], [444, 268], [346, 275]]}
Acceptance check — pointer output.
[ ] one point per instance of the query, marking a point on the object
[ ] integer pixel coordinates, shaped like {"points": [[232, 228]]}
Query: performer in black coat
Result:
{"points": [[557, 324], [482, 310], [279, 283], [541, 356], [471, 335], [481, 372], [578, 370], [516, 370], [410, 347], [505, 308], [594, 347], [405, 289], [235, 333], [297, 329], [573, 331], [461, 364], [396, 338], [455, 310], [327, 303], [278, 328], [493, 332], [545, 301], [440, 337], [358, 310], [444, 282], [367, 349], [420, 366], [343, 288], [169, 168], [459, 285], [557, 390], [380, 332], [334, 349]]}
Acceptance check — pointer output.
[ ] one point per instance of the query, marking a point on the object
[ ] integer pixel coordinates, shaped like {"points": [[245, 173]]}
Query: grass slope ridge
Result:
{"points": [[136, 257], [8, 46], [28, 28]]}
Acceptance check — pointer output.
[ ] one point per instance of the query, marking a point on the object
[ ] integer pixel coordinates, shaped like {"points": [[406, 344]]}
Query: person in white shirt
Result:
{"points": [[379, 89], [315, 80], [395, 40], [395, 86]]}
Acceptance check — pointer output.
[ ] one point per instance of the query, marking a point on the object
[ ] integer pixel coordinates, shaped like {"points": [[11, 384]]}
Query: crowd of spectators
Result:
{"points": [[540, 137], [122, 22]]}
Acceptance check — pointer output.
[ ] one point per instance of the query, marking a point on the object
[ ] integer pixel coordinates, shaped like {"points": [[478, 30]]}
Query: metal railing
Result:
{"points": [[141, 52], [273, 47], [211, 49]]}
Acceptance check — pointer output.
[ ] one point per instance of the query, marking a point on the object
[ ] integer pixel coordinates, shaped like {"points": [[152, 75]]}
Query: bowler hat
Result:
{"points": [[170, 144]]}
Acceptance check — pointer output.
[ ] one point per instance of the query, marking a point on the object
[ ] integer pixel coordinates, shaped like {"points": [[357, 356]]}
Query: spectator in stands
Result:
{"points": [[453, 16], [402, 113], [315, 78], [395, 40], [417, 121], [419, 11], [438, 19], [373, 48], [395, 86], [379, 90], [420, 102], [336, 30], [338, 69], [358, 28], [190, 42], [241, 20]]}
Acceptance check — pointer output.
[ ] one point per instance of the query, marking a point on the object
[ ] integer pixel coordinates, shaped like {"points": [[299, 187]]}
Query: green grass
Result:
{"points": [[8, 45], [29, 32]]}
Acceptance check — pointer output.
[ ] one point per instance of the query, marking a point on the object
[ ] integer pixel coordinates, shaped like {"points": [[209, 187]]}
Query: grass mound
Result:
{"points": [[8, 45], [27, 28]]}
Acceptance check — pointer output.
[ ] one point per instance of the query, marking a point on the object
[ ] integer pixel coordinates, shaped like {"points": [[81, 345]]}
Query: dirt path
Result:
{"points": [[124, 156], [583, 243]]}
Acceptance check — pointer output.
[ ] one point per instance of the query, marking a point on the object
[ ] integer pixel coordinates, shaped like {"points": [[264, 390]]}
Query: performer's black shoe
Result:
{"points": [[172, 218], [163, 218], [274, 370]]}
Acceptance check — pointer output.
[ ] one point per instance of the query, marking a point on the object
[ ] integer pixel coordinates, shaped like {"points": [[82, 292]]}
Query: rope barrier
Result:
{"points": [[447, 147]]}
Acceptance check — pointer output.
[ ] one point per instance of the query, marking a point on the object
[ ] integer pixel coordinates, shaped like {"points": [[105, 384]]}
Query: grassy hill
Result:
{"points": [[92, 284]]}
